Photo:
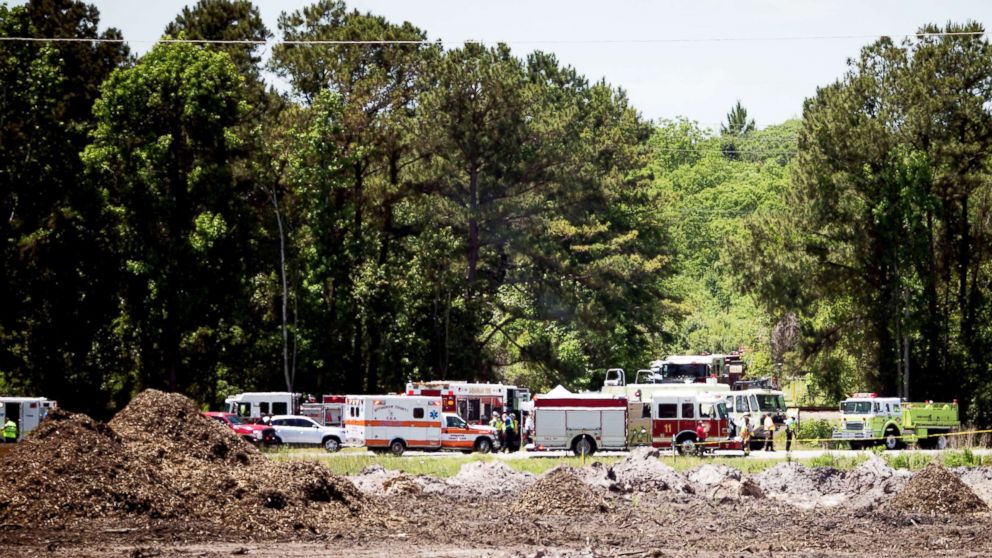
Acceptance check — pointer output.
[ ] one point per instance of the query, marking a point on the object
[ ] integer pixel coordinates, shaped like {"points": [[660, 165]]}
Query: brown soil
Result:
{"points": [[160, 460], [935, 490], [560, 491], [161, 481]]}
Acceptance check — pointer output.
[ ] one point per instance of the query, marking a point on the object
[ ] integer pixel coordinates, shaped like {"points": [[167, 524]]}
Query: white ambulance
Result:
{"points": [[396, 423], [26, 412]]}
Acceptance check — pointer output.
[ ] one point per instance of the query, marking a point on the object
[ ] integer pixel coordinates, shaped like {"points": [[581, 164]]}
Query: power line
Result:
{"points": [[374, 42]]}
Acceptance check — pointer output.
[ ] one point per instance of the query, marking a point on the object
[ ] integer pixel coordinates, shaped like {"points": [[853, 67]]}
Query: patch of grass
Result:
{"points": [[836, 461], [964, 458]]}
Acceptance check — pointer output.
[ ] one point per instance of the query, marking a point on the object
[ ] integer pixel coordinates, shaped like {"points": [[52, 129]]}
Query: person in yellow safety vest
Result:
{"points": [[746, 435], [515, 424], [496, 423], [9, 432], [769, 433]]}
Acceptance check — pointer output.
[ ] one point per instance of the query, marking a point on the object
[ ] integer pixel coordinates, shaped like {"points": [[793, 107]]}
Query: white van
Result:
{"points": [[254, 405], [26, 412]]}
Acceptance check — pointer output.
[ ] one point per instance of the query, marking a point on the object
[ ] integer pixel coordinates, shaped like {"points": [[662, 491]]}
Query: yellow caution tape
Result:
{"points": [[868, 439]]}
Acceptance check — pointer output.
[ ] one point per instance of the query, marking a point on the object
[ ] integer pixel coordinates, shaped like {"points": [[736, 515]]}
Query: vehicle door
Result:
{"points": [[287, 430], [455, 433], [666, 421], [309, 431], [433, 430], [687, 414]]}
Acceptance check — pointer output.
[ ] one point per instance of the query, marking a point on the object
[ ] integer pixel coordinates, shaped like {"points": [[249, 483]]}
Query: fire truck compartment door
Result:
{"points": [[584, 420], [550, 427], [614, 428]]}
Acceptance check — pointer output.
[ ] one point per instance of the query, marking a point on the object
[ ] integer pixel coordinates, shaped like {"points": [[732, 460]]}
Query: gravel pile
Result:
{"points": [[560, 491], [979, 479], [160, 458], [641, 471], [712, 475], [935, 490], [489, 478]]}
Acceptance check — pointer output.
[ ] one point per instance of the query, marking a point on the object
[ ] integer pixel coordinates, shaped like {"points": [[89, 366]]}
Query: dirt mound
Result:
{"points": [[160, 458], [730, 489], [168, 429], [935, 490], [372, 478], [712, 475], [560, 491], [642, 472], [74, 467], [979, 479], [490, 478]]}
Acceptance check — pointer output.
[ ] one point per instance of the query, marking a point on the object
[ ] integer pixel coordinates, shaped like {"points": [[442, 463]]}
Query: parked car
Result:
{"points": [[254, 433], [297, 430]]}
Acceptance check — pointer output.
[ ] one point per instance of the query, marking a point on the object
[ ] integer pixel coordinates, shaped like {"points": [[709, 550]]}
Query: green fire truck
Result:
{"points": [[867, 419]]}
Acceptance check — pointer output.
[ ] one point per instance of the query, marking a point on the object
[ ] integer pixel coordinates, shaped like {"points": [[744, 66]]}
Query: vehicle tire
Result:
{"points": [[940, 442], [397, 447], [249, 439], [584, 445], [686, 445], [856, 445], [484, 445], [892, 440], [331, 444]]}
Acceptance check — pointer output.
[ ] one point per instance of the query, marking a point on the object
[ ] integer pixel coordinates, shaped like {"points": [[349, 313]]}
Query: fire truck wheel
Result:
{"points": [[686, 445], [892, 440], [584, 445], [397, 447], [331, 444], [483, 445]]}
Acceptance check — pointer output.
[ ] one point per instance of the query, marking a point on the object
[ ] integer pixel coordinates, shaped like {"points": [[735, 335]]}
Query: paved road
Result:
{"points": [[755, 455]]}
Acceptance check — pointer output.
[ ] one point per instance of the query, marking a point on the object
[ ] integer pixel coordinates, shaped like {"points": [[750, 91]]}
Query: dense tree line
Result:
{"points": [[405, 211], [883, 253]]}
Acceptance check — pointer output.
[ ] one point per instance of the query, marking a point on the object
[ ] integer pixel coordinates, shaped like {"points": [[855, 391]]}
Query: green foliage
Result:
{"points": [[810, 429], [57, 330], [164, 146], [880, 252]]}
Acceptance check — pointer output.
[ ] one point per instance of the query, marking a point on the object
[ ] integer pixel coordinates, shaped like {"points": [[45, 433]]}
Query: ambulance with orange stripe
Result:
{"points": [[396, 423]]}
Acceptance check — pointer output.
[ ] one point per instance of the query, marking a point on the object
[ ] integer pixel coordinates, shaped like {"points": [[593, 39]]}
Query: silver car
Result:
{"points": [[296, 430]]}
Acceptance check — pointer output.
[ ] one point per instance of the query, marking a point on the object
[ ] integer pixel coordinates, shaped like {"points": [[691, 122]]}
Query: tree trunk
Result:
{"points": [[473, 230]]}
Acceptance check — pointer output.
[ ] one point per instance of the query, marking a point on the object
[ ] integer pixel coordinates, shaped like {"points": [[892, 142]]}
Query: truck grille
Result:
{"points": [[855, 426]]}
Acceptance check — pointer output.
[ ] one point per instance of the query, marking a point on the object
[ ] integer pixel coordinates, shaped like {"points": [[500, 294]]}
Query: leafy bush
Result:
{"points": [[815, 429]]}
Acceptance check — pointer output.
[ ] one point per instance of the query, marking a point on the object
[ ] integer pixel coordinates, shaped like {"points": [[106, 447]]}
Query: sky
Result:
{"points": [[674, 59]]}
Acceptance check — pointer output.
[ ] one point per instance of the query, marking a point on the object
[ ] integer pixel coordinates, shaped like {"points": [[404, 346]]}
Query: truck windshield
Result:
{"points": [[769, 402], [683, 371], [855, 407], [234, 419], [722, 410]]}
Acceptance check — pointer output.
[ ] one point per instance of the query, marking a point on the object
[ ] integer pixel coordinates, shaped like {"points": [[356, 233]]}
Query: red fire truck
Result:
{"points": [[471, 401], [692, 422]]}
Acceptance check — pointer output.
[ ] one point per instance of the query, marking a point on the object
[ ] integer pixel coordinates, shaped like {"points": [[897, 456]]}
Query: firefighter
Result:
{"points": [[769, 426], [746, 435], [790, 432], [498, 425], [9, 432], [528, 427], [508, 431]]}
